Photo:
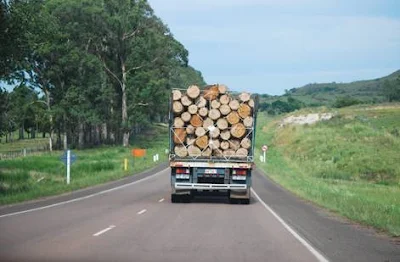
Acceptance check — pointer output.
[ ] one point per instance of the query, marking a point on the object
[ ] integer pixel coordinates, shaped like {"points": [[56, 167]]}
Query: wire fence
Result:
{"points": [[24, 152]]}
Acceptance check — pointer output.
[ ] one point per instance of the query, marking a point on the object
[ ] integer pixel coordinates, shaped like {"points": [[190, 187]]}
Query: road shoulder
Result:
{"points": [[42, 202], [336, 238]]}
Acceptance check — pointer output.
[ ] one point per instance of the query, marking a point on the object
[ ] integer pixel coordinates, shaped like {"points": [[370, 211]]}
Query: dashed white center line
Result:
{"points": [[142, 211], [161, 200], [103, 231]]}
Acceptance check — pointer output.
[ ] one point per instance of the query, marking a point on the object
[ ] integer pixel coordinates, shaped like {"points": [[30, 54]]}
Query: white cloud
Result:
{"points": [[285, 41]]}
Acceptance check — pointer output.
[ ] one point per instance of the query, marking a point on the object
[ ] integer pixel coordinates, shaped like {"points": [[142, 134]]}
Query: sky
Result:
{"points": [[267, 46]]}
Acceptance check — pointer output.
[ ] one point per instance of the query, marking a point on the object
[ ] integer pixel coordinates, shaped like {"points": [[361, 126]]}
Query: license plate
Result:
{"points": [[210, 171]]}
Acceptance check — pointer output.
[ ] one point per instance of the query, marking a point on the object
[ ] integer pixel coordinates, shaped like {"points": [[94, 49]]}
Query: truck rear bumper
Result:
{"points": [[192, 186]]}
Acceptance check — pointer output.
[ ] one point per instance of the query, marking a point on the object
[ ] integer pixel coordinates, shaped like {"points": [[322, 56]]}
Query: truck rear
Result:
{"points": [[212, 135]]}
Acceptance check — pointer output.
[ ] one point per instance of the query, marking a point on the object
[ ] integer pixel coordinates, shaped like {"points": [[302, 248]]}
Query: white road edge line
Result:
{"points": [[161, 200], [85, 197], [142, 211], [103, 231], [318, 255]]}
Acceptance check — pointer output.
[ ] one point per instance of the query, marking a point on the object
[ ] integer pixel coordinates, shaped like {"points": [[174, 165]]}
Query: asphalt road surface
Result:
{"points": [[134, 220]]}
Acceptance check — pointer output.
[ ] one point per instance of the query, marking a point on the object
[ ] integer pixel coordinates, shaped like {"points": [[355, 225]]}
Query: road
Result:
{"points": [[135, 221]]}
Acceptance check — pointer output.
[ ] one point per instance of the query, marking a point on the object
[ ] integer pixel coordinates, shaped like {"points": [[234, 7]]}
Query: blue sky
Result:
{"points": [[268, 46]]}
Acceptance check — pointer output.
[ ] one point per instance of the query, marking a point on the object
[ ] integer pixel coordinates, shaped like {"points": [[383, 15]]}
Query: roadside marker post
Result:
{"points": [[126, 164], [68, 158], [68, 166], [264, 149]]}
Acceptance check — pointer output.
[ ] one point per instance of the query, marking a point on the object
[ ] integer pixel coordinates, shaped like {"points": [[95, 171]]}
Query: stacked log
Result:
{"points": [[212, 122]]}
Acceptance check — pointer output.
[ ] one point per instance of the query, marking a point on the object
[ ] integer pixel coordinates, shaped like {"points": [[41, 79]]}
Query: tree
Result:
{"points": [[391, 89]]}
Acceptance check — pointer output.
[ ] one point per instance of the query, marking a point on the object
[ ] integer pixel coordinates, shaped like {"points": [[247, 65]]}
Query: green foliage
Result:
{"points": [[279, 107], [33, 177], [369, 91], [345, 101], [348, 164], [89, 59], [391, 89]]}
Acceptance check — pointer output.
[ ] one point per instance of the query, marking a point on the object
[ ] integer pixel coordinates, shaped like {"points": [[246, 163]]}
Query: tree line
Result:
{"points": [[88, 71]]}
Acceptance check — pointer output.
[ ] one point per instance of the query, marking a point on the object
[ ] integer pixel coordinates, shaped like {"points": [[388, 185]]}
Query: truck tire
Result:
{"points": [[175, 198], [245, 201]]}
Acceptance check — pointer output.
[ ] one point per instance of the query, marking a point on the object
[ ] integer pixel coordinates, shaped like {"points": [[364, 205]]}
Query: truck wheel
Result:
{"points": [[175, 198], [245, 201], [233, 201], [187, 198]]}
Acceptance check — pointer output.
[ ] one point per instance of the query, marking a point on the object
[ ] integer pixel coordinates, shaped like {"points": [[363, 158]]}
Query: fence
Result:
{"points": [[24, 152]]}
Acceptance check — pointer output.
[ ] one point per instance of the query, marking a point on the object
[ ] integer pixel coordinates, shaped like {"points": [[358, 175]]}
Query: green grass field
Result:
{"points": [[349, 164], [43, 175]]}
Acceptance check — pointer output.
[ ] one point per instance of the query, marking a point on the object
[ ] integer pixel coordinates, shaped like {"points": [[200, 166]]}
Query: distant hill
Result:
{"points": [[326, 93]]}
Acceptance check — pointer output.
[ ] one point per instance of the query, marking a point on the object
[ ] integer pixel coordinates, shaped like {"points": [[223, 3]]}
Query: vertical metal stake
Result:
{"points": [[68, 166]]}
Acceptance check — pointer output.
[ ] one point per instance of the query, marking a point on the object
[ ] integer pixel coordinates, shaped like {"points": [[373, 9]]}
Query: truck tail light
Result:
{"points": [[239, 172], [182, 171]]}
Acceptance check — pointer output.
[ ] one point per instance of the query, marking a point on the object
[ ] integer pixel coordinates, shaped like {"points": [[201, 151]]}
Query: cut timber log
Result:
{"points": [[245, 143], [177, 107], [233, 118], [248, 121], [200, 131], [238, 130], [194, 151], [214, 143], [186, 116], [186, 101], [176, 95], [234, 105], [222, 89], [229, 152], [214, 132], [244, 97], [217, 152], [190, 130], [224, 145], [244, 111], [193, 91], [224, 99], [214, 114], [208, 123], [179, 135], [222, 124], [215, 104], [202, 142], [192, 109], [234, 144], [203, 111], [201, 102], [242, 152], [190, 140], [225, 109], [225, 135], [207, 152], [211, 92], [181, 151], [196, 121], [178, 122], [251, 103]]}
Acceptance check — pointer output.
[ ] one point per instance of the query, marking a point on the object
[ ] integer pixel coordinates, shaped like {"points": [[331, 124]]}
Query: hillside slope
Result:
{"points": [[348, 164], [318, 94]]}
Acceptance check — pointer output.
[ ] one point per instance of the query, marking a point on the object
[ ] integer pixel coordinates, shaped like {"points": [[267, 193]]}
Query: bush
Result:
{"points": [[345, 101]]}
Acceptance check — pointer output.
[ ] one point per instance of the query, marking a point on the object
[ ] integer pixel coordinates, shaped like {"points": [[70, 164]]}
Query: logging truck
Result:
{"points": [[212, 135]]}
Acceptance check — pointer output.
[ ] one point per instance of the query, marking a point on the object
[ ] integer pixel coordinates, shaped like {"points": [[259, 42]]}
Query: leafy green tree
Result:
{"points": [[392, 89]]}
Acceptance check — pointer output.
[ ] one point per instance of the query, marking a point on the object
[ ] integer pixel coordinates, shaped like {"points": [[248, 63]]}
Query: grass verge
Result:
{"points": [[349, 164], [43, 175]]}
